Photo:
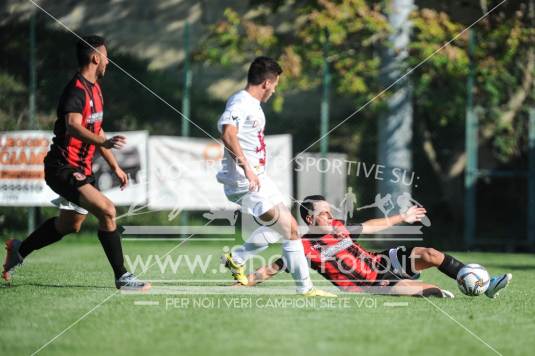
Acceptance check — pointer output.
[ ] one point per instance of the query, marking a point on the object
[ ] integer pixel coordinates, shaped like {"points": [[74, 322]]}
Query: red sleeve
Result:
{"points": [[310, 252]]}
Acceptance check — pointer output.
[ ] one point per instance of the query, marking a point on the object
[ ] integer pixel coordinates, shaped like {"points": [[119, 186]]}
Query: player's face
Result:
{"points": [[269, 88], [322, 219], [101, 56]]}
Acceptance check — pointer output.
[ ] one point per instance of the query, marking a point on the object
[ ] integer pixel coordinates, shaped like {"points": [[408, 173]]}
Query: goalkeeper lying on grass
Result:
{"points": [[332, 252]]}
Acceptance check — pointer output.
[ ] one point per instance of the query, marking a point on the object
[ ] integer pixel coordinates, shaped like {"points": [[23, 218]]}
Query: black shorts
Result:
{"points": [[65, 179], [396, 265]]}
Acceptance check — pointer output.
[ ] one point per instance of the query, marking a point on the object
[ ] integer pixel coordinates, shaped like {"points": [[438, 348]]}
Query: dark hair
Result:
{"points": [[85, 48], [261, 69], [307, 205]]}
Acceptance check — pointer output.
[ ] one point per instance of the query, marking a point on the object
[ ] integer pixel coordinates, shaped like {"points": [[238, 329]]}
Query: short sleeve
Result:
{"points": [[73, 101], [310, 251], [232, 116]]}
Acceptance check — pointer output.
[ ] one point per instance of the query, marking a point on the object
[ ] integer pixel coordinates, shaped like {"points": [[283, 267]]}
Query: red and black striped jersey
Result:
{"points": [[341, 260], [83, 97]]}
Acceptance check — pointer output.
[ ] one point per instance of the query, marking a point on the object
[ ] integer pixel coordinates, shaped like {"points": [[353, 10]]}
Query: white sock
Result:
{"points": [[297, 264], [255, 244]]}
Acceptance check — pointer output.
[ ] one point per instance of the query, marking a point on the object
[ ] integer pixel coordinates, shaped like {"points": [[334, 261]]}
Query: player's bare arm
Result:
{"points": [[229, 137], [73, 121], [412, 215], [112, 162]]}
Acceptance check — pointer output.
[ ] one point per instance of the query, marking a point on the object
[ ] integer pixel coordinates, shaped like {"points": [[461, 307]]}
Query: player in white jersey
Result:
{"points": [[245, 181]]}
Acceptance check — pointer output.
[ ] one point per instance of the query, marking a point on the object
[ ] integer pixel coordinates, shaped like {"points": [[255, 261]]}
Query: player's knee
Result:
{"points": [[73, 229], [67, 227], [293, 230], [287, 226], [430, 255], [76, 228], [66, 230], [108, 211], [294, 235]]}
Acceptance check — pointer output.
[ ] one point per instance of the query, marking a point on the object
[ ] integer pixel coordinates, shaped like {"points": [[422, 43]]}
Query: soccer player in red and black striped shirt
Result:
{"points": [[332, 252], [68, 168]]}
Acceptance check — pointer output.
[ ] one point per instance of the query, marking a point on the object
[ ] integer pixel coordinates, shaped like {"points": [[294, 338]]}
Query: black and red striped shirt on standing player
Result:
{"points": [[83, 97]]}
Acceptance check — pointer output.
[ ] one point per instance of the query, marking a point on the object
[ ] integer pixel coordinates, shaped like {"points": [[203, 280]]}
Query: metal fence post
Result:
{"points": [[32, 120], [184, 215], [324, 143], [531, 179], [471, 145]]}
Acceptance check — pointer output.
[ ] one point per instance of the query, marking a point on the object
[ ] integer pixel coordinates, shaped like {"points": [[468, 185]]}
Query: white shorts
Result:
{"points": [[255, 203], [64, 204]]}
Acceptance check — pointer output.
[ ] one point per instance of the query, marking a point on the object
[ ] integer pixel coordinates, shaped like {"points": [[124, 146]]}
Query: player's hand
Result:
{"points": [[116, 142], [123, 177], [413, 214], [254, 182]]}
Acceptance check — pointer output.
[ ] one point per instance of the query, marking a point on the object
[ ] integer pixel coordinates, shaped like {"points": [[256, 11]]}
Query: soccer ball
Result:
{"points": [[473, 279]]}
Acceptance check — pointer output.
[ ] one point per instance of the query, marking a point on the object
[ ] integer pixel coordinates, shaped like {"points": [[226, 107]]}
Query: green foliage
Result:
{"points": [[12, 94], [354, 28], [501, 49], [294, 32]]}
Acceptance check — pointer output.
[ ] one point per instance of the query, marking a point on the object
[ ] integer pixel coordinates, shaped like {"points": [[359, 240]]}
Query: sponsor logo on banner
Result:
{"points": [[21, 168]]}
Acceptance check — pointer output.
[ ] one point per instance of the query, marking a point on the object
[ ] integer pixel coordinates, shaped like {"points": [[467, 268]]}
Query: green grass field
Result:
{"points": [[58, 285]]}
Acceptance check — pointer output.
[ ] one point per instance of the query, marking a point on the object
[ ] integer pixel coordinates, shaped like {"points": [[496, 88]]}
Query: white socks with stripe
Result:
{"points": [[292, 251], [257, 242], [297, 264]]}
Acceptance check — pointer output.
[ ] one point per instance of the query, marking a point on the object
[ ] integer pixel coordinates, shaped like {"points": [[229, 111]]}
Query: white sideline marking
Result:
{"points": [[146, 302], [178, 230], [396, 304]]}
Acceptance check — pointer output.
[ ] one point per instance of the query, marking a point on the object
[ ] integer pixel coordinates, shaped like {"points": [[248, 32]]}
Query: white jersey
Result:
{"points": [[243, 111]]}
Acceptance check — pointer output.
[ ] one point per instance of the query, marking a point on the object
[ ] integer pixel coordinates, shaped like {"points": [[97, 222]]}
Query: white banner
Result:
{"points": [[132, 158], [182, 172], [22, 171]]}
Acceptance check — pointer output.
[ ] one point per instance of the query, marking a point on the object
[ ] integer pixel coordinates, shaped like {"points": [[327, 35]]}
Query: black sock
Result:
{"points": [[450, 266], [111, 243], [45, 235]]}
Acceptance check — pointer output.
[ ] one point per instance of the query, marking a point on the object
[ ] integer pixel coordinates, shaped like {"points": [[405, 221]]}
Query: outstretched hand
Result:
{"points": [[413, 214]]}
